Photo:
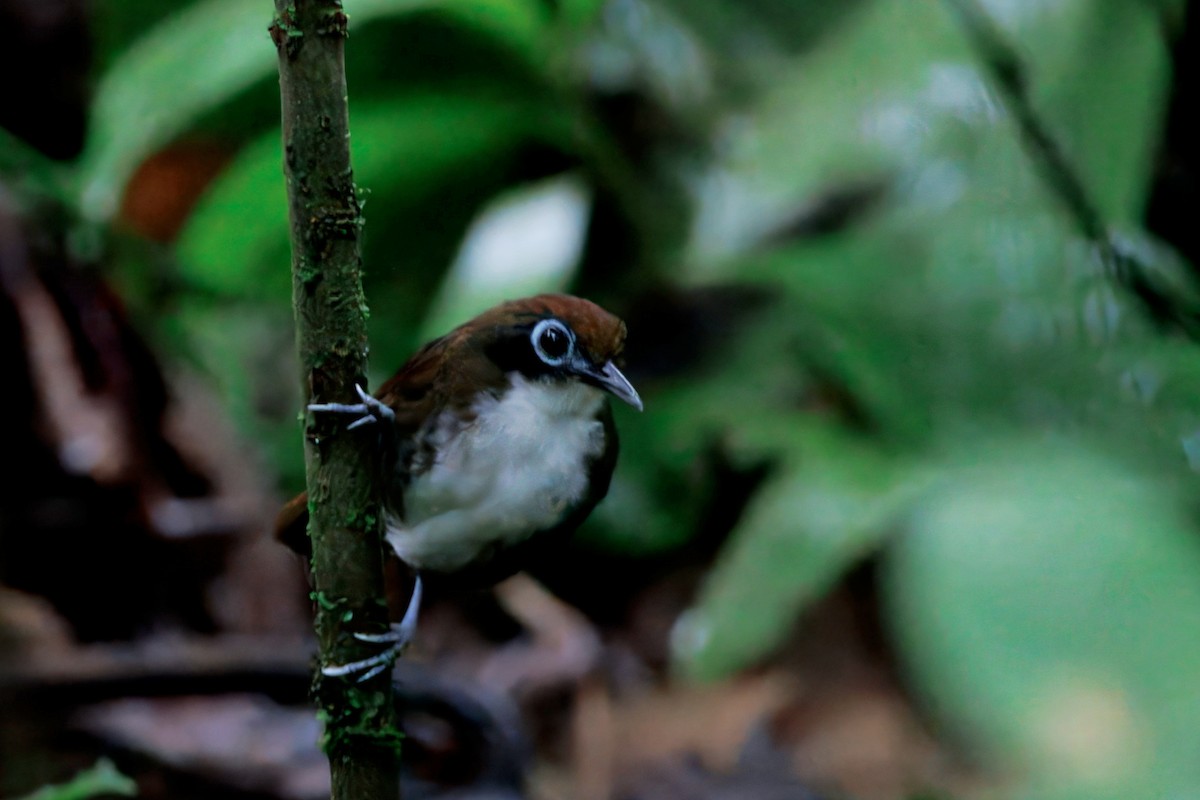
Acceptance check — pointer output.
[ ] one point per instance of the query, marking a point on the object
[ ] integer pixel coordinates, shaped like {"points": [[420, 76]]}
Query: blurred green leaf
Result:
{"points": [[116, 24], [852, 110], [965, 301], [209, 52], [741, 29], [181, 68], [1108, 115], [28, 171], [810, 522], [659, 480], [101, 779], [969, 274], [579, 13], [524, 242], [236, 241], [1045, 598], [1114, 121]]}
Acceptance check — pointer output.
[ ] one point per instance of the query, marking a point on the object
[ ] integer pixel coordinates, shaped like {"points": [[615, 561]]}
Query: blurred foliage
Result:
{"points": [[947, 374], [1073, 573], [102, 779]]}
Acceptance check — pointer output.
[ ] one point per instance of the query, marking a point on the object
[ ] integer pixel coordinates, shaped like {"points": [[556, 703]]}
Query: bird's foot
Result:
{"points": [[397, 639], [369, 411]]}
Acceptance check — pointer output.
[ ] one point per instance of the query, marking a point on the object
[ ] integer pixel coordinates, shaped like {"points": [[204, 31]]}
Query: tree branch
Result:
{"points": [[330, 310]]}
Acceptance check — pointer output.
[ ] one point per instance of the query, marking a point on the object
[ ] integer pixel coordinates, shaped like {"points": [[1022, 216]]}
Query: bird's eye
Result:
{"points": [[552, 341]]}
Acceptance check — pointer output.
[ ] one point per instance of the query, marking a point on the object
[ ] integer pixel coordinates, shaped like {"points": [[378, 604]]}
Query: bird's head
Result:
{"points": [[559, 337]]}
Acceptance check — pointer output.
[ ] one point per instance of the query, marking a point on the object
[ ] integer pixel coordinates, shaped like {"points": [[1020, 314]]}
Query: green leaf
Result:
{"points": [[526, 241], [877, 96], [31, 174], [901, 93], [203, 56], [101, 779], [1045, 599], [964, 301], [188, 64], [579, 13], [741, 28], [966, 295], [822, 513], [236, 241], [1113, 109], [1098, 76]]}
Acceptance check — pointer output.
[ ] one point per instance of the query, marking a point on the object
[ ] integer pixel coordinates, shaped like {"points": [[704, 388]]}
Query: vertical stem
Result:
{"points": [[330, 310]]}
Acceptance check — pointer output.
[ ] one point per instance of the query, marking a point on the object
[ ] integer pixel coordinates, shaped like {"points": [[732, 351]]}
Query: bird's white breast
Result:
{"points": [[516, 469]]}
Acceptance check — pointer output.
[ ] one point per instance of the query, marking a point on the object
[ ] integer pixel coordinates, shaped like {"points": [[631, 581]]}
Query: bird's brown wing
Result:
{"points": [[414, 396], [291, 525]]}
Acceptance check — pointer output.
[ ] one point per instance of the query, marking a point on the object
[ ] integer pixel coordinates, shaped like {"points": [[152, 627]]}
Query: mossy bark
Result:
{"points": [[330, 310]]}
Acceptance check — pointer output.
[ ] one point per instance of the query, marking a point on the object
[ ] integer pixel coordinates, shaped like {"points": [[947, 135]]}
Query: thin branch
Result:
{"points": [[344, 520]]}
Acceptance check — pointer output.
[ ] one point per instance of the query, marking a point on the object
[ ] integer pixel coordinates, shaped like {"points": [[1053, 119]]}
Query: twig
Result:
{"points": [[344, 521]]}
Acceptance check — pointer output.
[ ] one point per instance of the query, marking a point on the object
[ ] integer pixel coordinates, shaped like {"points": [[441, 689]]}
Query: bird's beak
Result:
{"points": [[610, 378]]}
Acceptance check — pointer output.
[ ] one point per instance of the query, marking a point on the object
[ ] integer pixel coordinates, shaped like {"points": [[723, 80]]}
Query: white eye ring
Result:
{"points": [[546, 329]]}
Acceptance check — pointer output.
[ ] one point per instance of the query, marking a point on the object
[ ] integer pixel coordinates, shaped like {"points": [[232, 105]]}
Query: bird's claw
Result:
{"points": [[397, 639], [369, 410]]}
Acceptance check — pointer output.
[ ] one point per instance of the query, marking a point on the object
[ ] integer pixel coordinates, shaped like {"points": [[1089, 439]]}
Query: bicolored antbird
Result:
{"points": [[496, 437]]}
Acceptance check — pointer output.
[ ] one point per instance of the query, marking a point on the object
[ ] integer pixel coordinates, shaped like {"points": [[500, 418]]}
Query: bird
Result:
{"points": [[495, 438]]}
